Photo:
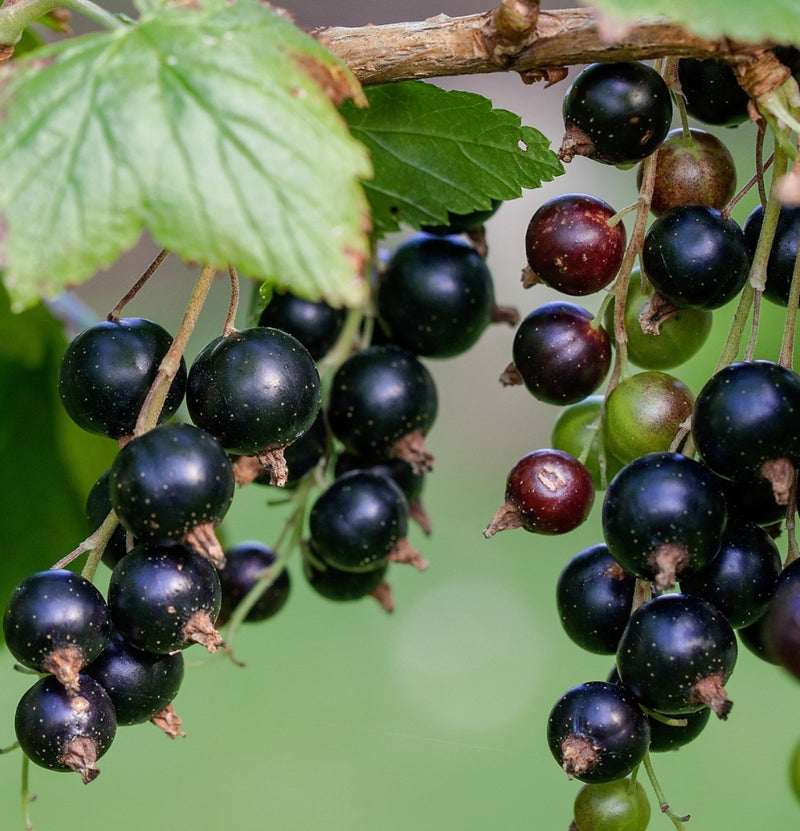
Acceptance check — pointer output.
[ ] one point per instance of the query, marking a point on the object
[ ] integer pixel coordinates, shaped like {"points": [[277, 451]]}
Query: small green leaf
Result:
{"points": [[741, 20], [436, 151], [48, 463], [214, 128]]}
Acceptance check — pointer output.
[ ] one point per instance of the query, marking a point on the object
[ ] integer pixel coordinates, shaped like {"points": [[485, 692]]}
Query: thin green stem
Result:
{"points": [[790, 325], [96, 543], [25, 794], [157, 395], [114, 314], [12, 746], [677, 821], [17, 16]]}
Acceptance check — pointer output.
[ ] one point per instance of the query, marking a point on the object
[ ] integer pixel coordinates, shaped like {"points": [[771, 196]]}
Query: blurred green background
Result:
{"points": [[346, 718]]}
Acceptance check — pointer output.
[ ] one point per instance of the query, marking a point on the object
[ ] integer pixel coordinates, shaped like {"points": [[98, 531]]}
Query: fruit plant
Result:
{"points": [[280, 162]]}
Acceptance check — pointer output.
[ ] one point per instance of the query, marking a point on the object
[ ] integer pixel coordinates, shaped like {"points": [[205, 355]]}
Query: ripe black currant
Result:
{"points": [[741, 577], [781, 623], [359, 522], [594, 595], [570, 245], [435, 296], [663, 513], [696, 257], [343, 586], [561, 353], [245, 564], [64, 732], [255, 391], [57, 622], [547, 492], [139, 684], [745, 424], [382, 403], [164, 598], [676, 654], [616, 113], [106, 373], [170, 481], [783, 253], [315, 323], [597, 732], [711, 92]]}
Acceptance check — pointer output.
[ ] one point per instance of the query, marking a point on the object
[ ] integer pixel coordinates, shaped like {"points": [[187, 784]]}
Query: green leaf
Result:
{"points": [[214, 128], [741, 20], [436, 151], [49, 464]]}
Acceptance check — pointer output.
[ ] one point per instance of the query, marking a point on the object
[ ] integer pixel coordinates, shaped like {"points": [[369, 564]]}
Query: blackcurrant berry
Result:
{"points": [[315, 323], [594, 595], [342, 586], [98, 507], [696, 257], [676, 654], [616, 113], [560, 352], [382, 403], [643, 414], [741, 577], [783, 253], [107, 371], [139, 684], [245, 564], [665, 736], [663, 513], [170, 481], [66, 732], [693, 169], [56, 622], [164, 598], [621, 805], [547, 492], [572, 247], [711, 92], [745, 424], [255, 391], [359, 521], [435, 296], [597, 732], [781, 623]]}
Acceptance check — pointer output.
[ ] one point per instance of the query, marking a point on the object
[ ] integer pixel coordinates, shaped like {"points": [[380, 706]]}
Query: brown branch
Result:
{"points": [[445, 46]]}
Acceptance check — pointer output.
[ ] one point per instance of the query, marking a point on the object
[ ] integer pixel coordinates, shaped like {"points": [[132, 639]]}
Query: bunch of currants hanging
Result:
{"points": [[696, 489]]}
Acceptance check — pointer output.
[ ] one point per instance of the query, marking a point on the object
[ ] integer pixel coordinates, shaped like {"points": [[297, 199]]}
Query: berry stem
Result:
{"points": [[115, 313], [153, 404], [25, 794], [677, 821], [15, 17], [793, 551], [230, 319], [790, 324], [96, 543]]}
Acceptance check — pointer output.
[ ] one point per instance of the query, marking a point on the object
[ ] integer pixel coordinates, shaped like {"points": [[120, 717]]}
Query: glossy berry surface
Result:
{"points": [[781, 624], [597, 732], [357, 522], [342, 586], [665, 736], [254, 390], [663, 513], [169, 480], [55, 616], [594, 595], [315, 323], [747, 415], [547, 492], [139, 684], [698, 170], [643, 414], [245, 564], [711, 92], [163, 598], [561, 353], [435, 296], [676, 654], [379, 396], [659, 339], [66, 732], [741, 577], [782, 254], [571, 246], [621, 805], [621, 112], [106, 373], [696, 257]]}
